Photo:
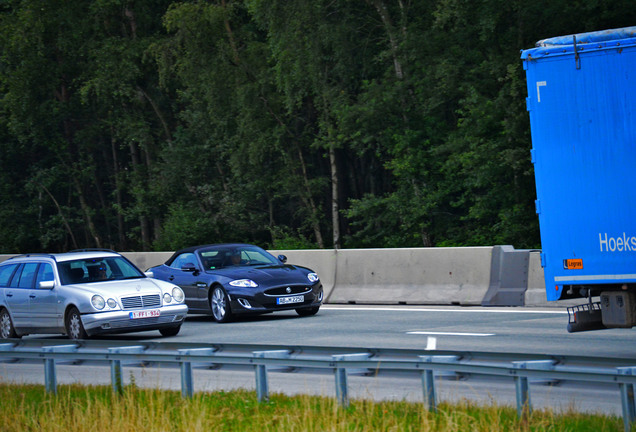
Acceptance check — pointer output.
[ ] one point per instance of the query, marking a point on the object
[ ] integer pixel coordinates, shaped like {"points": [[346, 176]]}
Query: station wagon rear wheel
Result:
{"points": [[220, 305], [74, 326], [6, 325]]}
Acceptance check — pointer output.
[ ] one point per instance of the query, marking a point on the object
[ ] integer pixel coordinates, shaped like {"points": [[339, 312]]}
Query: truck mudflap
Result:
{"points": [[585, 317], [616, 309]]}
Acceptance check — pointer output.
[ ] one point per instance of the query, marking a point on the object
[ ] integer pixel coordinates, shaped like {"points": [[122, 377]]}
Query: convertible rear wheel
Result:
{"points": [[220, 305], [74, 326], [308, 312], [6, 325]]}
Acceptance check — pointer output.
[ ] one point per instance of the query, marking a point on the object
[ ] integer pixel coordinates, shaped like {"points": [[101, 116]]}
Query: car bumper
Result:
{"points": [[254, 306], [121, 321]]}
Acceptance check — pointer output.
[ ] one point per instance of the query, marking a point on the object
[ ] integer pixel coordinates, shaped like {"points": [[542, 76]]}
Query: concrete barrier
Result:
{"points": [[414, 276]]}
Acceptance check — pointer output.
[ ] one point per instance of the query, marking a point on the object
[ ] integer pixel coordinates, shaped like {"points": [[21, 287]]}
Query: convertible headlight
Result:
{"points": [[244, 283], [98, 302], [313, 277], [177, 294]]}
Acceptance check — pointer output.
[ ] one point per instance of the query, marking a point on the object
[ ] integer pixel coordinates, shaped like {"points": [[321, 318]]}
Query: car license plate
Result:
{"points": [[145, 314], [290, 300]]}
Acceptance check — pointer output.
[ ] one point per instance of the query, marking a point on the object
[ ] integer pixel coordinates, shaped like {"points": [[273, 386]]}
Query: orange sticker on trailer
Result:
{"points": [[573, 264]]}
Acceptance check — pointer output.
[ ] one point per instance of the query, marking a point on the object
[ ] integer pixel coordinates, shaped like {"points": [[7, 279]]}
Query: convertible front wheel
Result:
{"points": [[220, 305], [308, 312]]}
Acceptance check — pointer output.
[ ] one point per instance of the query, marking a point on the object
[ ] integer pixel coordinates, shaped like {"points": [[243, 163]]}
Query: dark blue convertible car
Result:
{"points": [[226, 280]]}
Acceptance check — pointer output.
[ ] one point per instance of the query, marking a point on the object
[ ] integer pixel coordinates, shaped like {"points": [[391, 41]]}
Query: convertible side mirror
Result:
{"points": [[283, 258], [189, 267]]}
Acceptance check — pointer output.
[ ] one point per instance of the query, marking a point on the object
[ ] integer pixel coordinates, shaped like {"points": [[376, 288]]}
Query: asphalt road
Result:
{"points": [[512, 330]]}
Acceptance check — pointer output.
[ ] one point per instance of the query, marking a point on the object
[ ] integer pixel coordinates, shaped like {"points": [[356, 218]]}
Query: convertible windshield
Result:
{"points": [[227, 256], [97, 269]]}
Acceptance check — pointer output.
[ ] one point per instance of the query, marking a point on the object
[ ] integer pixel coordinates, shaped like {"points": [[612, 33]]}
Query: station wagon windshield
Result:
{"points": [[97, 269]]}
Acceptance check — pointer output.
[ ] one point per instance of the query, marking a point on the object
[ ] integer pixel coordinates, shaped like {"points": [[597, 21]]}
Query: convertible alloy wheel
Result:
{"points": [[74, 326], [220, 305], [308, 312], [6, 325]]}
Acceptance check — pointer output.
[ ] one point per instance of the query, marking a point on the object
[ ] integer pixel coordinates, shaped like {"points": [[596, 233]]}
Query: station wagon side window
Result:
{"points": [[45, 273], [5, 274], [27, 276]]}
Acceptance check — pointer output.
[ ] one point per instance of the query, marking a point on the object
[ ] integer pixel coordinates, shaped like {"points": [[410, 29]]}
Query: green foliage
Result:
{"points": [[151, 124], [284, 238]]}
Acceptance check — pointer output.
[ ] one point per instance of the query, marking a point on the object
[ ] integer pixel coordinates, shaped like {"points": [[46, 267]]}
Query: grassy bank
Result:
{"points": [[78, 408]]}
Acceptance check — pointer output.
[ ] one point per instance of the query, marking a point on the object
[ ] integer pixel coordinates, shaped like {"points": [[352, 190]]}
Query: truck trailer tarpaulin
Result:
{"points": [[582, 107]]}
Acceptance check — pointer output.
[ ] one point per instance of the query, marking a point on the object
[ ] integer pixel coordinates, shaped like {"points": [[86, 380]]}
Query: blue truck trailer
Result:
{"points": [[582, 107]]}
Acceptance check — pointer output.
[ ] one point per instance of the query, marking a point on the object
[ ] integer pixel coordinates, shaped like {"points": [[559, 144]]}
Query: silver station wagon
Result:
{"points": [[84, 293]]}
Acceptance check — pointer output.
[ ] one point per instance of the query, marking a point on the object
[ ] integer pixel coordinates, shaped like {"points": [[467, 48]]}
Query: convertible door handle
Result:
{"points": [[32, 296], [171, 278]]}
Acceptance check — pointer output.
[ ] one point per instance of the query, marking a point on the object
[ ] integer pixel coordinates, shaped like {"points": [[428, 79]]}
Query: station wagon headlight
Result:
{"points": [[111, 303], [244, 283], [98, 302], [313, 277], [167, 298], [177, 294]]}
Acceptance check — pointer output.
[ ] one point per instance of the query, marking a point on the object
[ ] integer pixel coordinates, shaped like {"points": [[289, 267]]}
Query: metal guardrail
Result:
{"points": [[427, 364]]}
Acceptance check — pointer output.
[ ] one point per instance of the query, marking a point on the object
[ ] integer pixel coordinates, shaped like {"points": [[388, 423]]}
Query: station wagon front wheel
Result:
{"points": [[74, 326], [6, 325]]}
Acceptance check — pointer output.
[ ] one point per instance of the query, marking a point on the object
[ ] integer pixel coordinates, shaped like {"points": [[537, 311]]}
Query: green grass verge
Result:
{"points": [[96, 408]]}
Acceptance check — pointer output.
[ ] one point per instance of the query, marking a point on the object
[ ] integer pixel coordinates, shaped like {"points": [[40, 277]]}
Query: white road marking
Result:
{"points": [[448, 333], [467, 310], [431, 343]]}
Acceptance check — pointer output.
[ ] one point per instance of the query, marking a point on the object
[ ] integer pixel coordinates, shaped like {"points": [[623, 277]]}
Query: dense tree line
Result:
{"points": [[154, 124]]}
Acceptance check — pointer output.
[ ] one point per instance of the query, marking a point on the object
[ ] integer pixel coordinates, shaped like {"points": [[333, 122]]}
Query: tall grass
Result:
{"points": [[77, 408]]}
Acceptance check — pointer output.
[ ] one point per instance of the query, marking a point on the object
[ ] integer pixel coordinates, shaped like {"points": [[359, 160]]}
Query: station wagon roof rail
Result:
{"points": [[46, 255]]}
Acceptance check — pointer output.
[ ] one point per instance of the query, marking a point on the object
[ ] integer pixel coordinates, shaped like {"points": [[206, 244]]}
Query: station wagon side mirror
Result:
{"points": [[149, 274], [283, 258], [47, 284], [188, 267]]}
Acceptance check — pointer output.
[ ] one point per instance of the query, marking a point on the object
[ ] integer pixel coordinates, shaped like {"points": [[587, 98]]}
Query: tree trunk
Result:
{"points": [[382, 10], [121, 236], [309, 200], [86, 211], [335, 209]]}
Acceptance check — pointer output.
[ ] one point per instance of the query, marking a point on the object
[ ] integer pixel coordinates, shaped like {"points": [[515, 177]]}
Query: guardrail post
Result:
{"points": [[50, 376], [341, 376], [260, 370], [627, 398], [524, 406], [116, 376], [6, 347], [187, 388], [428, 378]]}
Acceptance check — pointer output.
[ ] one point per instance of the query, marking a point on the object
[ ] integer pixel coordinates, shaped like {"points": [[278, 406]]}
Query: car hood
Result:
{"points": [[276, 274], [140, 286]]}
